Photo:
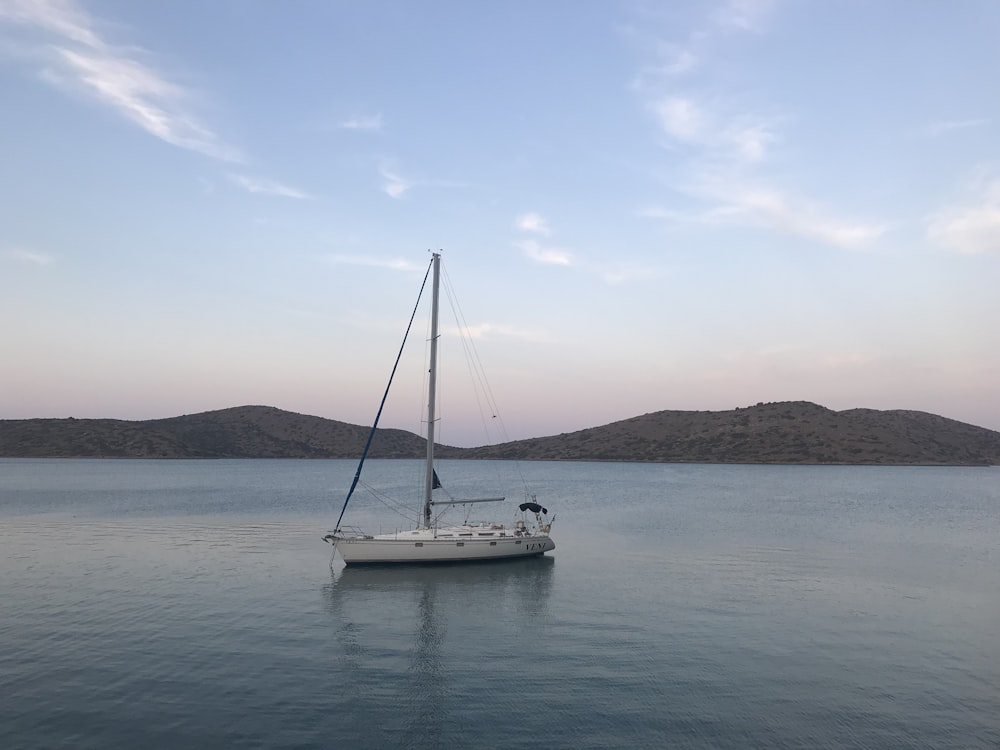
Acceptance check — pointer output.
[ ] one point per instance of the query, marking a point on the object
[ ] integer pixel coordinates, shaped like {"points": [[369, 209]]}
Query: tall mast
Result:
{"points": [[432, 389]]}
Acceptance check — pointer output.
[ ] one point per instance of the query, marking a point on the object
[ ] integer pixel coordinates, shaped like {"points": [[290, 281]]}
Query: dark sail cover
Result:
{"points": [[534, 508]]}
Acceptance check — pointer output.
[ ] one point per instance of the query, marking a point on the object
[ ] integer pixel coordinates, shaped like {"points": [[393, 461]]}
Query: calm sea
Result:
{"points": [[192, 604]]}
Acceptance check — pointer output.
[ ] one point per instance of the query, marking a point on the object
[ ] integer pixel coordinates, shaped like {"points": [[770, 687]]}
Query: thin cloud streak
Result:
{"points": [[549, 256], [746, 139], [743, 15], [972, 229], [363, 122], [767, 208], [392, 264], [486, 330], [21, 255], [396, 185], [262, 186], [613, 275], [772, 209], [950, 126], [673, 63], [114, 77], [57, 16]]}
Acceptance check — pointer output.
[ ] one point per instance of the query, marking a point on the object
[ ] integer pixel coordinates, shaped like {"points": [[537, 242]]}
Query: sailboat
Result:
{"points": [[434, 541]]}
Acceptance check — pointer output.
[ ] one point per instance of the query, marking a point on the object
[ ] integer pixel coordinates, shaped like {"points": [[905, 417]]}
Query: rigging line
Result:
{"points": [[371, 434], [476, 363], [478, 372], [389, 503]]}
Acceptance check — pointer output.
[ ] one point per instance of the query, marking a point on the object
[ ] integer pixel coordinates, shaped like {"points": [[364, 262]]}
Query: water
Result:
{"points": [[192, 604]]}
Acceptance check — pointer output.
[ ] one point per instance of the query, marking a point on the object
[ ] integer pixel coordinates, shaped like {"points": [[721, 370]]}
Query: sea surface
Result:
{"points": [[192, 604]]}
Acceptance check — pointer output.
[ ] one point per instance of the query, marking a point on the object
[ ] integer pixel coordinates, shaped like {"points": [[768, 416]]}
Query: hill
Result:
{"points": [[789, 432], [793, 432], [240, 432]]}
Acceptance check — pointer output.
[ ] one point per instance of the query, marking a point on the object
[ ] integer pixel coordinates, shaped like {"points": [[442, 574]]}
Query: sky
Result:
{"points": [[641, 205]]}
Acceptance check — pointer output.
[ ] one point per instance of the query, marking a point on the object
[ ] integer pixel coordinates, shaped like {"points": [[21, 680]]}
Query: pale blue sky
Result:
{"points": [[643, 205]]}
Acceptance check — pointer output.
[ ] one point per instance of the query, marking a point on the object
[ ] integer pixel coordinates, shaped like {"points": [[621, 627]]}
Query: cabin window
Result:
{"points": [[493, 544], [418, 544], [459, 544], [466, 533]]}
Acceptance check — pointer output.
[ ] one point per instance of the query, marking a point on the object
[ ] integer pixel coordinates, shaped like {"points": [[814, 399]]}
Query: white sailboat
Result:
{"points": [[432, 541]]}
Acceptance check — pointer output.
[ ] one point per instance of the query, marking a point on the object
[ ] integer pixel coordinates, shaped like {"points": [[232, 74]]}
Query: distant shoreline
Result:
{"points": [[792, 433]]}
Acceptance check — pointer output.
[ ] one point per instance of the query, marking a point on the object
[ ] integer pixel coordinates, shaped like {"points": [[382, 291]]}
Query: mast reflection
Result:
{"points": [[409, 635]]}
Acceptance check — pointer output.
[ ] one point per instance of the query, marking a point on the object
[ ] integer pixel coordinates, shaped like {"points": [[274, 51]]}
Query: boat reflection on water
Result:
{"points": [[518, 587], [527, 571], [412, 636]]}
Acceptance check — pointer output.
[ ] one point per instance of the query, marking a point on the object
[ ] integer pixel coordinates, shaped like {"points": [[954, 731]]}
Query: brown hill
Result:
{"points": [[790, 432], [796, 432], [240, 432]]}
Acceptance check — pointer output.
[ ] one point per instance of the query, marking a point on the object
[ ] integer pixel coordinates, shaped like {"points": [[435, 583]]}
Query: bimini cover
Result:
{"points": [[533, 507]]}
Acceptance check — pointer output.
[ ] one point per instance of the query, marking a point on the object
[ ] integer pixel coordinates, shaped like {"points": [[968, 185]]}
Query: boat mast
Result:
{"points": [[432, 389]]}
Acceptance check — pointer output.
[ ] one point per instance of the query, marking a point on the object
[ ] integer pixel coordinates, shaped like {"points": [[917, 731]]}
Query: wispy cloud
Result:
{"points": [[61, 17], [949, 126], [32, 257], [771, 209], [738, 138], [743, 15], [681, 118], [363, 122], [669, 62], [394, 185], [673, 86], [723, 145], [675, 61], [751, 142], [754, 205], [262, 186], [487, 330], [549, 256], [534, 223], [82, 60], [970, 229], [392, 264], [615, 274]]}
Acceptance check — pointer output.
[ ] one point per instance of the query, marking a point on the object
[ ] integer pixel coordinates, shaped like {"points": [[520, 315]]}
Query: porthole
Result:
{"points": [[459, 544], [418, 544], [493, 544]]}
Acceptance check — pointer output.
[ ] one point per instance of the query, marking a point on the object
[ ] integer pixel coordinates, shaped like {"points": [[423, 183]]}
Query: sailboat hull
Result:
{"points": [[357, 551]]}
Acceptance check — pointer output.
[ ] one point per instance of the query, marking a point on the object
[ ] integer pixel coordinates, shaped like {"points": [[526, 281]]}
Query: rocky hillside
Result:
{"points": [[790, 432], [795, 432], [241, 432]]}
